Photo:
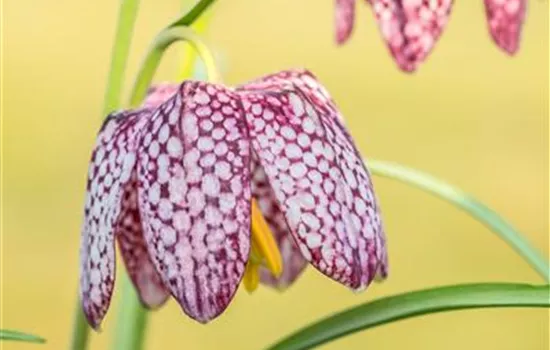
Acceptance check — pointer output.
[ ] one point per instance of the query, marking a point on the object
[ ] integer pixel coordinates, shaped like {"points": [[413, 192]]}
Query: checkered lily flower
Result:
{"points": [[412, 27], [206, 185]]}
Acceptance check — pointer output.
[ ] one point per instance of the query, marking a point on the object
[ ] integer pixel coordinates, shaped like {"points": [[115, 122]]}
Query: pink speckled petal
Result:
{"points": [[316, 93], [293, 262], [308, 84], [133, 248], [411, 27], [129, 233], [344, 17], [505, 19], [194, 196], [317, 175], [112, 163]]}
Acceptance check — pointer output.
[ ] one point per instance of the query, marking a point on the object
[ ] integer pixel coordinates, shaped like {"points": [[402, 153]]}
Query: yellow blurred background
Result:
{"points": [[471, 115]]}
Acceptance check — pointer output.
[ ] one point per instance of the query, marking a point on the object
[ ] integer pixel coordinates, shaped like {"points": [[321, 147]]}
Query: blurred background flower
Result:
{"points": [[472, 116], [411, 28]]}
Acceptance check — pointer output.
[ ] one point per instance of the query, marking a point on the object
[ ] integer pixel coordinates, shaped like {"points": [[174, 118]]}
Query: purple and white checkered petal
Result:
{"points": [[133, 248], [308, 84], [411, 27], [110, 170], [194, 196], [318, 178], [293, 262]]}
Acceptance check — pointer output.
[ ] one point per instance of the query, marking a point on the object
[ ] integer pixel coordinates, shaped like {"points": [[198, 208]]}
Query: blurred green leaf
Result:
{"points": [[19, 336], [467, 203], [417, 303]]}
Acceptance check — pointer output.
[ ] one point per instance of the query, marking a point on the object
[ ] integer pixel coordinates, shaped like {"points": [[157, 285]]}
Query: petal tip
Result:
{"points": [[510, 50], [341, 39], [93, 322]]}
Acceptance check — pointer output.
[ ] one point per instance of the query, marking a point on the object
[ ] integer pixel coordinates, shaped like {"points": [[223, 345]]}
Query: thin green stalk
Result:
{"points": [[188, 18], [132, 320], [189, 59], [80, 328], [467, 203], [152, 60], [119, 56], [413, 304]]}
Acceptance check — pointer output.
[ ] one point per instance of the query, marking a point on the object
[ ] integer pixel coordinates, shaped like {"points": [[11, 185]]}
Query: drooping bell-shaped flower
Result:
{"points": [[411, 28], [206, 184]]}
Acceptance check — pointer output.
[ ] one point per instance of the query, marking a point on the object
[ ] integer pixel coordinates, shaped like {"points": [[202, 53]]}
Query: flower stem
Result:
{"points": [[126, 20], [189, 17], [189, 63], [81, 329], [470, 205], [152, 60], [132, 320]]}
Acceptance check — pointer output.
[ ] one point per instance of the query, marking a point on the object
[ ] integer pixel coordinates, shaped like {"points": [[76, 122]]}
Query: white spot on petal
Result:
{"points": [[297, 104], [174, 147], [210, 185]]}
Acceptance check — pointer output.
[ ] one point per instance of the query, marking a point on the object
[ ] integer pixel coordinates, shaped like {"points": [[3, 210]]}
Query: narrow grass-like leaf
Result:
{"points": [[417, 303], [119, 58], [6, 334], [467, 203]]}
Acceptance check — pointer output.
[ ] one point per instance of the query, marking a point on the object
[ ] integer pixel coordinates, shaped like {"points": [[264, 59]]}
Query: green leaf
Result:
{"points": [[119, 57], [417, 303], [467, 203], [20, 336]]}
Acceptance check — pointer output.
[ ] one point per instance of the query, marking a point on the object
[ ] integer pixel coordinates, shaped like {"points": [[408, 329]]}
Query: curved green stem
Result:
{"points": [[189, 61], [413, 304], [467, 203], [166, 38], [188, 18]]}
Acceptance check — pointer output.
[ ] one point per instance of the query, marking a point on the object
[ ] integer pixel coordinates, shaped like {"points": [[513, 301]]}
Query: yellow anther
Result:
{"points": [[263, 242], [251, 277]]}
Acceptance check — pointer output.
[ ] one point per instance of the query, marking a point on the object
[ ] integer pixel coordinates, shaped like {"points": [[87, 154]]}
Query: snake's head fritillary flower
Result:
{"points": [[412, 27], [409, 27], [206, 184], [505, 19]]}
